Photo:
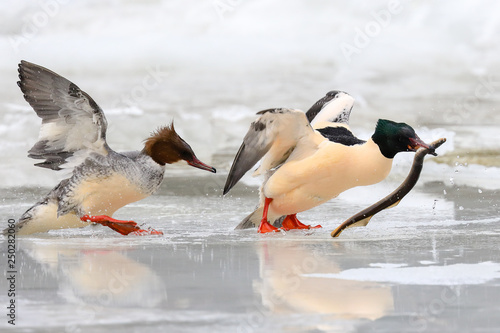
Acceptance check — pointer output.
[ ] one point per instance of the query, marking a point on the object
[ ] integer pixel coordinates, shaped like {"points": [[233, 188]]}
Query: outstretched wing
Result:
{"points": [[72, 123], [330, 116], [272, 138], [334, 107]]}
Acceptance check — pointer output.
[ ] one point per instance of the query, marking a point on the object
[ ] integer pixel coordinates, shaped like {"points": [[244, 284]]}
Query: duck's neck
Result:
{"points": [[389, 151], [375, 166], [161, 152]]}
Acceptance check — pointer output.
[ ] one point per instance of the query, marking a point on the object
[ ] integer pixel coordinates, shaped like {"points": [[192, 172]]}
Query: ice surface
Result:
{"points": [[458, 274], [429, 265], [201, 275]]}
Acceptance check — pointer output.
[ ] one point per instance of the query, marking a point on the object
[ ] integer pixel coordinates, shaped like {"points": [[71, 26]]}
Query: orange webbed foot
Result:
{"points": [[121, 226], [292, 222], [266, 227], [146, 232]]}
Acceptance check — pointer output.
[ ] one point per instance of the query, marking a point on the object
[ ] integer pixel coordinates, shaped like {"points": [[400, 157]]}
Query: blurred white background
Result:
{"points": [[210, 65]]}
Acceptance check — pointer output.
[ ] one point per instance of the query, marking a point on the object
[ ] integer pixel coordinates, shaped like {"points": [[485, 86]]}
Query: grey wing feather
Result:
{"points": [[251, 151], [71, 120], [287, 125]]}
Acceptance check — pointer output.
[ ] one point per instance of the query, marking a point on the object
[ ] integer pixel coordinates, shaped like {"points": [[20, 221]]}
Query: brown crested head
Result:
{"points": [[165, 146]]}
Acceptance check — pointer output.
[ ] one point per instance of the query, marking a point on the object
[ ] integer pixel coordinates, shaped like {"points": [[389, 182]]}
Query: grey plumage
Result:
{"points": [[244, 154], [73, 136], [253, 219], [29, 214], [97, 167], [67, 114], [261, 135]]}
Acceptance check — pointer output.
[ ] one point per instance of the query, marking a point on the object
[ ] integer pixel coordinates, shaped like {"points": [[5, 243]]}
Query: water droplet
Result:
{"points": [[444, 192], [461, 208], [479, 190], [452, 181]]}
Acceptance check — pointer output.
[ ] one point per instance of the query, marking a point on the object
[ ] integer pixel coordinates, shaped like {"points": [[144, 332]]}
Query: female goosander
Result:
{"points": [[310, 158], [73, 136]]}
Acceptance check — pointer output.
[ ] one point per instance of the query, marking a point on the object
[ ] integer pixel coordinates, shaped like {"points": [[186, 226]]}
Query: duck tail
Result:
{"points": [[278, 223], [252, 220], [19, 224]]}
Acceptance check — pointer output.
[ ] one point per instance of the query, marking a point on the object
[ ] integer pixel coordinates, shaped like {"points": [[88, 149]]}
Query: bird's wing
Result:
{"points": [[73, 125], [334, 107], [272, 138]]}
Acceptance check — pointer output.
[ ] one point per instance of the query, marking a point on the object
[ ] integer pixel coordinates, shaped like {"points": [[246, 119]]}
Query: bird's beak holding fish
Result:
{"points": [[416, 143], [363, 217]]}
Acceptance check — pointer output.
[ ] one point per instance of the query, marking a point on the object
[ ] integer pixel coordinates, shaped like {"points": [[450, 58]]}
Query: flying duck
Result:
{"points": [[73, 137], [310, 158]]}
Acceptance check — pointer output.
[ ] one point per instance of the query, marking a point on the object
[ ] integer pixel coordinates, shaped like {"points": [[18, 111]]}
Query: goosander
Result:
{"points": [[310, 158], [363, 217], [73, 137]]}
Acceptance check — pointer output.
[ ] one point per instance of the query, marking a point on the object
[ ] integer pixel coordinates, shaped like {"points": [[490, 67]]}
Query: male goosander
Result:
{"points": [[310, 158], [363, 217], [73, 136]]}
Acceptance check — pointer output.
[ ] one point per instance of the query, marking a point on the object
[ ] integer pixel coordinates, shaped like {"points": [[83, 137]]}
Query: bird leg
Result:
{"points": [[121, 226], [292, 222], [265, 226]]}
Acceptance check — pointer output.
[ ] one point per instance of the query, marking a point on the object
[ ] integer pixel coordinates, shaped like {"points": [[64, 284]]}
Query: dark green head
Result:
{"points": [[393, 138]]}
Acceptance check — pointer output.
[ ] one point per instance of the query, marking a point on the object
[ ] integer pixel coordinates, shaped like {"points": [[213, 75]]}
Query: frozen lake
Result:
{"points": [[429, 265], [434, 271]]}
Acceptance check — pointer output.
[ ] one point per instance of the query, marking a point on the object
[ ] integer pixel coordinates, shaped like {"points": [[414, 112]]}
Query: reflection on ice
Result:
{"points": [[226, 280], [98, 276], [290, 284], [110, 278]]}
